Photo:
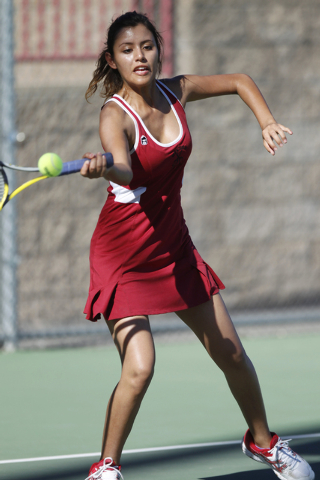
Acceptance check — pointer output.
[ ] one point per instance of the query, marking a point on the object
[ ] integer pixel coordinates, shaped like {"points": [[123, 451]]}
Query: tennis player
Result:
{"points": [[142, 259]]}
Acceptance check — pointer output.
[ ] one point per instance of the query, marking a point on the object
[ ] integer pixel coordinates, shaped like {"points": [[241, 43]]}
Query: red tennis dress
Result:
{"points": [[142, 259]]}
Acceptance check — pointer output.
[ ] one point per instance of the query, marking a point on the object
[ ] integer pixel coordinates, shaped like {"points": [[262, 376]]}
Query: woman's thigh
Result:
{"points": [[133, 339], [212, 324]]}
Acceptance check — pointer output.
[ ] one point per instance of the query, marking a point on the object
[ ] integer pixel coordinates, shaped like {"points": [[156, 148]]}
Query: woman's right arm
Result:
{"points": [[115, 130]]}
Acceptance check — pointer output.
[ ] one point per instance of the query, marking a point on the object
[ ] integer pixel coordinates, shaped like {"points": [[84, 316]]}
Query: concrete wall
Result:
{"points": [[254, 218]]}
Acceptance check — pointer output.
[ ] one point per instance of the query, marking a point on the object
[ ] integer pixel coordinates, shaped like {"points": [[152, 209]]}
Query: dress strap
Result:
{"points": [[170, 92]]}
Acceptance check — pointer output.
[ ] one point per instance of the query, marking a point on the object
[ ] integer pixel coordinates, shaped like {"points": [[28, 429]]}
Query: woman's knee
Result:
{"points": [[134, 340], [233, 360], [138, 377]]}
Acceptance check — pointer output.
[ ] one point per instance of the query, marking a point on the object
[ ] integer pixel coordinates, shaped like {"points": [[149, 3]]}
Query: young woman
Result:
{"points": [[142, 259]]}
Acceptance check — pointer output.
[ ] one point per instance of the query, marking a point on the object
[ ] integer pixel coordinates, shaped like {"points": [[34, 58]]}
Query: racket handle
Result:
{"points": [[75, 165]]}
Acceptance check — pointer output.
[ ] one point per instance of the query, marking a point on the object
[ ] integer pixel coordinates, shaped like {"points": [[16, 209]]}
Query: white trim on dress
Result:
{"points": [[144, 126], [167, 88], [124, 195], [136, 142]]}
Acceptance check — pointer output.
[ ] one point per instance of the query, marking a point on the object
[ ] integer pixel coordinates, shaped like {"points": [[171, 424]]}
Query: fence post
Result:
{"points": [[8, 215]]}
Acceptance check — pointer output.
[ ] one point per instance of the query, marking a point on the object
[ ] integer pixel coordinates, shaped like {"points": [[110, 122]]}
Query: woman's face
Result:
{"points": [[135, 55]]}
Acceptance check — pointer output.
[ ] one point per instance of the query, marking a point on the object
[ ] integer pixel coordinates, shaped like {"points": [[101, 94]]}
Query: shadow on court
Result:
{"points": [[227, 462], [305, 447], [248, 475], [264, 474]]}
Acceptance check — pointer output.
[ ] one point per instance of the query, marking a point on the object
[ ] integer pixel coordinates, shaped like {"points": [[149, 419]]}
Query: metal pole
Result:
{"points": [[8, 215]]}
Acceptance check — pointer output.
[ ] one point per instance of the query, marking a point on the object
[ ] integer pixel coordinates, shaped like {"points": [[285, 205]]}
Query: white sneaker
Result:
{"points": [[106, 469], [285, 463]]}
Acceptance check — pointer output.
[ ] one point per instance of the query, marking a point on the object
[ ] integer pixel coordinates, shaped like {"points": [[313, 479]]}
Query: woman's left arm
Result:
{"points": [[193, 87]]}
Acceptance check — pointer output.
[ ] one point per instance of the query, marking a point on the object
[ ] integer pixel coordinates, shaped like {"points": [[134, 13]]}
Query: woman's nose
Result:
{"points": [[140, 54]]}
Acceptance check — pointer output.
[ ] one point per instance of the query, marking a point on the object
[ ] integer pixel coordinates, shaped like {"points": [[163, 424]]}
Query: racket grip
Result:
{"points": [[75, 165]]}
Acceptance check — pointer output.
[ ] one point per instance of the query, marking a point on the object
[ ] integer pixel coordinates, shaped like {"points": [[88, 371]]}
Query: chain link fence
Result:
{"points": [[253, 218]]}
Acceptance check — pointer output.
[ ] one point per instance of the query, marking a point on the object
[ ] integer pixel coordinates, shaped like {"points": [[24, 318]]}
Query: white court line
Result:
{"points": [[145, 450]]}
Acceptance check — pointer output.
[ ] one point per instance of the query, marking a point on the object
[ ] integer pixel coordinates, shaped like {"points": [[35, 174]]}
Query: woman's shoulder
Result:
{"points": [[177, 86], [113, 115], [112, 109]]}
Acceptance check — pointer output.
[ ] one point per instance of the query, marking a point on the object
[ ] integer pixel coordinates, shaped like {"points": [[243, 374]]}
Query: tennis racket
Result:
{"points": [[68, 167]]}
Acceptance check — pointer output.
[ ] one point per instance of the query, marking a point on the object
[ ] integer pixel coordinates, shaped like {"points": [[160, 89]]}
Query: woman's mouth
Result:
{"points": [[142, 70]]}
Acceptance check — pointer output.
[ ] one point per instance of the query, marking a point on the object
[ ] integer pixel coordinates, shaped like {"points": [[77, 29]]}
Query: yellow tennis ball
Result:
{"points": [[50, 164]]}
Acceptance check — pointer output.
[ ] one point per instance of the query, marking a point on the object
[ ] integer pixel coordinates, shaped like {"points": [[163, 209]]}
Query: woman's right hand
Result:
{"points": [[96, 167]]}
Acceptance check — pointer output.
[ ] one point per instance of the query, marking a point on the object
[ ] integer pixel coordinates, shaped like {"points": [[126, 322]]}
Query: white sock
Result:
{"points": [[260, 448]]}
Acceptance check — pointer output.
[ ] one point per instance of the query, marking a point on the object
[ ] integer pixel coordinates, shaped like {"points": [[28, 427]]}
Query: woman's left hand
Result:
{"points": [[274, 135]]}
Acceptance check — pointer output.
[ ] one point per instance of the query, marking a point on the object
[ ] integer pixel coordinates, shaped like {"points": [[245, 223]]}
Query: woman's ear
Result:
{"points": [[110, 61]]}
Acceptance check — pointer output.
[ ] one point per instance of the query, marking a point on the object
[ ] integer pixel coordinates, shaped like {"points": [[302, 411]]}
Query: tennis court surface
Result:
{"points": [[53, 405]]}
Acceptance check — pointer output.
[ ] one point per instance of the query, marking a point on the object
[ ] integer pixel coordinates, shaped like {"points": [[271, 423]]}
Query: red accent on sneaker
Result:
{"points": [[264, 452], [95, 466], [248, 439]]}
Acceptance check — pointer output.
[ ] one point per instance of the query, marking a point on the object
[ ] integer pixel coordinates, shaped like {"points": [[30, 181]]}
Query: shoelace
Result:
{"points": [[283, 453], [103, 468]]}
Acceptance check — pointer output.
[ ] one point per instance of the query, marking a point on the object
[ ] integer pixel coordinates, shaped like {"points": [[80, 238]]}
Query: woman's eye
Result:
{"points": [[127, 50], [148, 47]]}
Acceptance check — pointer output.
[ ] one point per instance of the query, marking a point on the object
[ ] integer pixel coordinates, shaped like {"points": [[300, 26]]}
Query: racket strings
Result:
{"points": [[2, 183], [4, 188]]}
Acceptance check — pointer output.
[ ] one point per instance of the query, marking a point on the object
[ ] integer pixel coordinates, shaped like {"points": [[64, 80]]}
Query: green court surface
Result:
{"points": [[53, 404]]}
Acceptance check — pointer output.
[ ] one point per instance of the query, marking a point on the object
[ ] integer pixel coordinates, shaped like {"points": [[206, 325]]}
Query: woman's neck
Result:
{"points": [[141, 97]]}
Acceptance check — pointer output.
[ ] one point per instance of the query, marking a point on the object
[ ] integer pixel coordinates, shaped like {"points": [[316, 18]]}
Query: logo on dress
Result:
{"points": [[144, 140]]}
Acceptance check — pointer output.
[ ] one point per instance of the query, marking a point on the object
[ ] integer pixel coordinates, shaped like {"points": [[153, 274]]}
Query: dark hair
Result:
{"points": [[110, 78]]}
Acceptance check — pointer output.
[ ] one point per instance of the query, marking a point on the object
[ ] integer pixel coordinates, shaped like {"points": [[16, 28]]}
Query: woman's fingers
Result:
{"points": [[274, 135], [89, 155], [268, 147], [101, 164], [268, 140], [85, 168], [94, 168], [97, 165], [277, 135], [285, 129]]}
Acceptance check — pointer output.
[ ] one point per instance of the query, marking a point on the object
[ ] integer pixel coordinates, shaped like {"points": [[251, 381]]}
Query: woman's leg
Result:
{"points": [[211, 323], [134, 342]]}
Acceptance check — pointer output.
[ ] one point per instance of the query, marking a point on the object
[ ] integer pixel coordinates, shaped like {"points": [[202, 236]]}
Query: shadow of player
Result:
{"points": [[264, 474]]}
